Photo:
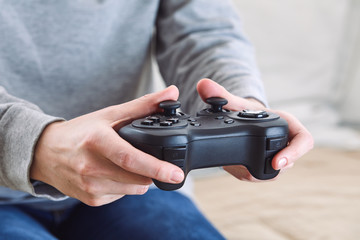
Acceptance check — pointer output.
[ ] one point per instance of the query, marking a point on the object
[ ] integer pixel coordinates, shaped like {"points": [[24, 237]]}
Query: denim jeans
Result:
{"points": [[155, 215]]}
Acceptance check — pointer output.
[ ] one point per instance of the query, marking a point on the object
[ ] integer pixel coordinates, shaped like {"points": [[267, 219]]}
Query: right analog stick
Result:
{"points": [[216, 103]]}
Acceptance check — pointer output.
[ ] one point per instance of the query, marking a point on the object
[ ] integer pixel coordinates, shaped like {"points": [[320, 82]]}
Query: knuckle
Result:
{"points": [[90, 140], [127, 161], [142, 190], [90, 188], [84, 168], [159, 173]]}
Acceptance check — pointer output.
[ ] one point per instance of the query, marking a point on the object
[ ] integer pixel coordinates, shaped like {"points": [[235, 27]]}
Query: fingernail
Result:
{"points": [[282, 163], [177, 176]]}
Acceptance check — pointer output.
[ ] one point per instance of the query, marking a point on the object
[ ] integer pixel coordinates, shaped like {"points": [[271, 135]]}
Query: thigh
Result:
{"points": [[16, 224], [155, 215]]}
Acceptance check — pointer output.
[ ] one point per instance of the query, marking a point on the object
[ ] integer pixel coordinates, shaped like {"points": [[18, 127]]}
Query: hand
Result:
{"points": [[86, 159], [300, 140]]}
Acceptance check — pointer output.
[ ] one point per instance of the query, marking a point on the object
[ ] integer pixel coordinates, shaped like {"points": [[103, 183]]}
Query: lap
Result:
{"points": [[17, 224], [155, 215]]}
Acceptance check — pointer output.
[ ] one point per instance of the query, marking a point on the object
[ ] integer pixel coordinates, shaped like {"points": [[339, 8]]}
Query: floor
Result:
{"points": [[319, 198]]}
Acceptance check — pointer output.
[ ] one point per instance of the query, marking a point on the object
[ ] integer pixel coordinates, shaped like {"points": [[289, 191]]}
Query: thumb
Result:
{"points": [[208, 88], [141, 107]]}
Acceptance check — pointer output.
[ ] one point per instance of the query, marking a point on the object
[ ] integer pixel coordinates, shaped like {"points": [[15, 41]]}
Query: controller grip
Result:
{"points": [[168, 186]]}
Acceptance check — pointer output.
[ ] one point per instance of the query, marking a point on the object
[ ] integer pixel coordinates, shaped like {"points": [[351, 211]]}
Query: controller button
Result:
{"points": [[274, 144], [192, 120], [173, 120], [153, 119], [147, 122], [229, 121], [165, 123], [253, 114], [219, 117], [174, 153], [195, 124], [268, 167], [178, 162]]}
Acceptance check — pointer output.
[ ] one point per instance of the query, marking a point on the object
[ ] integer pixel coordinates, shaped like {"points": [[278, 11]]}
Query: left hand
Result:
{"points": [[300, 140]]}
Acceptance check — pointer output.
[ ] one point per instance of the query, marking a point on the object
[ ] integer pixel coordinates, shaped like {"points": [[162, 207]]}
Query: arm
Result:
{"points": [[204, 38], [82, 158], [21, 124]]}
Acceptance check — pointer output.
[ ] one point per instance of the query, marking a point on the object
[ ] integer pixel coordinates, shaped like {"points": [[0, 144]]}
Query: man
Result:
{"points": [[77, 60]]}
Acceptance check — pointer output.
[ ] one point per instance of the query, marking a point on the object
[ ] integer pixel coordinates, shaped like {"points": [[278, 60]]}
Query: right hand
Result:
{"points": [[85, 158]]}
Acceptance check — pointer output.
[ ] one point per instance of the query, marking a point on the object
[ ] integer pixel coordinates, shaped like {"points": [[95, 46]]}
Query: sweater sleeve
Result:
{"points": [[204, 38], [21, 124]]}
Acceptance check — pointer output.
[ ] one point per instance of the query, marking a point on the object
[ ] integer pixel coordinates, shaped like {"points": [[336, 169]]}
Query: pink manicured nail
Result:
{"points": [[282, 163]]}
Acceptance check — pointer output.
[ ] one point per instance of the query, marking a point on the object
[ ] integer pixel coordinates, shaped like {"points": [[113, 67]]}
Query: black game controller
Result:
{"points": [[215, 137]]}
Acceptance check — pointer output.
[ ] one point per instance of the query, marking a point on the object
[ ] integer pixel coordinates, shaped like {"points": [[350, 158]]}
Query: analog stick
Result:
{"points": [[216, 103], [170, 107]]}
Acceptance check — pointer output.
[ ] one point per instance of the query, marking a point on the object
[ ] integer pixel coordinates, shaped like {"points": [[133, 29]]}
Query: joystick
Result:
{"points": [[170, 107], [214, 137], [216, 103]]}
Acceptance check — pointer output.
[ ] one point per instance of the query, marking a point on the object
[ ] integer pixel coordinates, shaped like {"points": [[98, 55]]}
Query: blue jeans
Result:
{"points": [[155, 215]]}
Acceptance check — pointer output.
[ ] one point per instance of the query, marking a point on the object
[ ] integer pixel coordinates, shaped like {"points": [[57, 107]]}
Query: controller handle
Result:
{"points": [[216, 103], [170, 107]]}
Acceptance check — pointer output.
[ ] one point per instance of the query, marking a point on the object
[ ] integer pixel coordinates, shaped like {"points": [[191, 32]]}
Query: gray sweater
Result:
{"points": [[62, 59]]}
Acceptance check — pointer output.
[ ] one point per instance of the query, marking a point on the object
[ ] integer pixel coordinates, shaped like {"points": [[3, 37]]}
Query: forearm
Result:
{"points": [[21, 124]]}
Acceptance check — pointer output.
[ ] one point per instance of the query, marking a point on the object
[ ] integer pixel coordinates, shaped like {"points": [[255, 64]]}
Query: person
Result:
{"points": [[68, 73]]}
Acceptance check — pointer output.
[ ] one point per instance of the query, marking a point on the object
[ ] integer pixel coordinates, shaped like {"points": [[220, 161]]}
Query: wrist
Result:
{"points": [[43, 152]]}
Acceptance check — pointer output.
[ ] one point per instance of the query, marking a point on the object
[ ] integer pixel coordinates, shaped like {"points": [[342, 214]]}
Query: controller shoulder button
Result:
{"points": [[274, 144], [174, 153]]}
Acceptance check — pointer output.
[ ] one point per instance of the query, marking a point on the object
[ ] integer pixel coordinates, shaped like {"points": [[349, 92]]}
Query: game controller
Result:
{"points": [[215, 137]]}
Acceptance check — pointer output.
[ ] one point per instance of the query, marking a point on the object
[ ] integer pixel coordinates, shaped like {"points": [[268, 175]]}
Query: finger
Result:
{"points": [[135, 161], [300, 142], [208, 88], [97, 192], [98, 187], [102, 168], [241, 173], [140, 107]]}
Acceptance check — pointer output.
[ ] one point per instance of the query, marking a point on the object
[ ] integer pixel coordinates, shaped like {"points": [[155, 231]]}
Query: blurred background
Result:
{"points": [[309, 55], [308, 52]]}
